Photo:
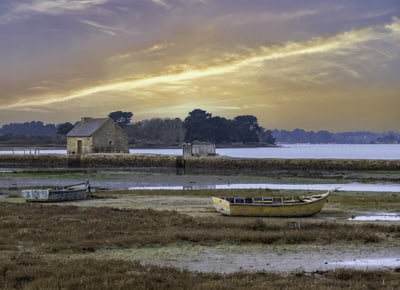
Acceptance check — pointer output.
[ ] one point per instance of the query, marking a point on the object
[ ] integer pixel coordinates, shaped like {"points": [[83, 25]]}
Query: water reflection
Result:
{"points": [[370, 263], [323, 187], [377, 217], [287, 151]]}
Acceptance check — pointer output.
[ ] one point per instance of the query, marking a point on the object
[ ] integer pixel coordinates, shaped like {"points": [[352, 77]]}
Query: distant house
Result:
{"points": [[97, 135], [198, 149]]}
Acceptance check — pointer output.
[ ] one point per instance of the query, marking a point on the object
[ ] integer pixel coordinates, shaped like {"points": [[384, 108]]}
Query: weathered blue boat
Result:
{"points": [[71, 192]]}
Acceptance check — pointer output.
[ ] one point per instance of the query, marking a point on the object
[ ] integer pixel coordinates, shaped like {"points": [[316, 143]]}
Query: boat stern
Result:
{"points": [[36, 194]]}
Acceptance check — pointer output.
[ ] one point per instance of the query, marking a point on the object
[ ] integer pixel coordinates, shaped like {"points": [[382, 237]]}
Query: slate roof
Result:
{"points": [[87, 128]]}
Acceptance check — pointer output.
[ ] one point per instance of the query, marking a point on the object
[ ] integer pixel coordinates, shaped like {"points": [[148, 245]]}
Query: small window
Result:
{"points": [[110, 142]]}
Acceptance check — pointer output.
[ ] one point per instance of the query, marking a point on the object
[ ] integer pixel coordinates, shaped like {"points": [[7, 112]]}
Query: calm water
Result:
{"points": [[292, 151], [299, 151]]}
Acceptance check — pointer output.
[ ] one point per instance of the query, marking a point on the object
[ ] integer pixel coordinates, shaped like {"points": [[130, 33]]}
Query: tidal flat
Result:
{"points": [[173, 239]]}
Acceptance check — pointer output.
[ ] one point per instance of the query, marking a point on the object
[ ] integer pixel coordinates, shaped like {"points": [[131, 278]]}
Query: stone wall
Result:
{"points": [[276, 166], [28, 161], [126, 161], [92, 161], [72, 145], [110, 138], [217, 165]]}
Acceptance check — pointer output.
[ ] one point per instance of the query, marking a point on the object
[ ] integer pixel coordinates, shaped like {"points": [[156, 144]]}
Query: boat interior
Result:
{"points": [[272, 200]]}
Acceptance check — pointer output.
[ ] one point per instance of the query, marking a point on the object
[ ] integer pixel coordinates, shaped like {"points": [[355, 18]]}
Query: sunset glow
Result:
{"points": [[313, 66]]}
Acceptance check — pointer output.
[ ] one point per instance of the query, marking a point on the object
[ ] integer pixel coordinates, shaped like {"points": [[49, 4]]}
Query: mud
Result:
{"points": [[234, 258]]}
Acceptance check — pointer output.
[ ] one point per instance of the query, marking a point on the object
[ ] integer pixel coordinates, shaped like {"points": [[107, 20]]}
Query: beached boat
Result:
{"points": [[71, 192], [300, 206]]}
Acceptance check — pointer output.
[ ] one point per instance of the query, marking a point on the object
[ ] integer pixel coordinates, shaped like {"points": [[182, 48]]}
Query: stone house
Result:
{"points": [[97, 135]]}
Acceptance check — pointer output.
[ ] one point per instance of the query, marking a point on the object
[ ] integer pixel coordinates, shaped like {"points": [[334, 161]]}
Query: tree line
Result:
{"points": [[199, 125], [326, 137]]}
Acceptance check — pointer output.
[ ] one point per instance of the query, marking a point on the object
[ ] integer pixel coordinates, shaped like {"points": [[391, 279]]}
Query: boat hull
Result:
{"points": [[283, 209], [75, 192]]}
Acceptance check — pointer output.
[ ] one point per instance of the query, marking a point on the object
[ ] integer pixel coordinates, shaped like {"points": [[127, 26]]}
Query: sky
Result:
{"points": [[310, 64]]}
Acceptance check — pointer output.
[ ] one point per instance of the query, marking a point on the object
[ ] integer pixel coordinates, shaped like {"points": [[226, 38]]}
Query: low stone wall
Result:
{"points": [[126, 161], [34, 161], [236, 164], [191, 165], [93, 161]]}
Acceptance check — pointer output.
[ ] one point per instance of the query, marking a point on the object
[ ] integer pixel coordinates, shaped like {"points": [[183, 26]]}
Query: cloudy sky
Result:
{"points": [[308, 64]]}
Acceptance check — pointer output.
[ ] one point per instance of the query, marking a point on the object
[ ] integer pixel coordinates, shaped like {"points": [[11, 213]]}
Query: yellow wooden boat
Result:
{"points": [[300, 206]]}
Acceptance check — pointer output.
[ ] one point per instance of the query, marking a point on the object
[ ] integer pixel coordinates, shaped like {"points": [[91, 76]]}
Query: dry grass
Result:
{"points": [[27, 271], [53, 229]]}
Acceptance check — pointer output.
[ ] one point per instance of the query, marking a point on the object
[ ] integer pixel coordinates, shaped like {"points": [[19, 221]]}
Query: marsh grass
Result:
{"points": [[371, 201], [29, 271], [55, 229]]}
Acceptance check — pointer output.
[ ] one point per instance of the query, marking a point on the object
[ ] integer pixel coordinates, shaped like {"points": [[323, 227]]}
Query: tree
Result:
{"points": [[198, 126], [121, 118], [247, 129], [201, 126], [64, 128], [33, 128], [266, 137], [221, 129], [156, 131]]}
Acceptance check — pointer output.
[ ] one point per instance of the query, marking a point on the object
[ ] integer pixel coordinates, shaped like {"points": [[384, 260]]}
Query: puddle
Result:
{"points": [[370, 263], [325, 187], [377, 217]]}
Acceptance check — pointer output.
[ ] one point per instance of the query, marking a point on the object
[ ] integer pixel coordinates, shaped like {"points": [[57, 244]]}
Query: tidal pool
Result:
{"points": [[377, 217], [370, 263]]}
